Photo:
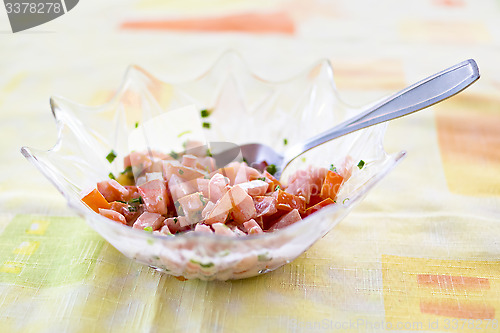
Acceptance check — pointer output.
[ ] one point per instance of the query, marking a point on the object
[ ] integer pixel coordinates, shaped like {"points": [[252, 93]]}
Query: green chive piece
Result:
{"points": [[303, 159], [209, 153], [277, 188], [127, 170], [181, 172], [148, 229], [174, 155], [361, 164], [332, 168], [111, 156], [346, 199], [136, 200], [136, 124], [204, 113], [262, 178], [206, 125], [285, 141], [207, 265], [111, 176], [202, 199], [183, 133], [271, 168]]}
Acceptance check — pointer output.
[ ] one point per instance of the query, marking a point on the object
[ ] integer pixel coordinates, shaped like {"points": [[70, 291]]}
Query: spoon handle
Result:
{"points": [[416, 97]]}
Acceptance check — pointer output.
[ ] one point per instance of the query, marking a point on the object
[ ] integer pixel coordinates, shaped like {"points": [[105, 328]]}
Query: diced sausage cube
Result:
{"points": [[180, 187], [192, 206], [255, 187], [222, 229], [203, 186], [176, 224], [155, 196], [252, 227], [113, 215], [147, 219], [203, 228], [265, 205], [112, 190], [286, 220], [217, 187], [243, 207]]}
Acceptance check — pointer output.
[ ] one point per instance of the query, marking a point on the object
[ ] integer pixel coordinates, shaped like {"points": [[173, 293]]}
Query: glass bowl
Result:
{"points": [[245, 108]]}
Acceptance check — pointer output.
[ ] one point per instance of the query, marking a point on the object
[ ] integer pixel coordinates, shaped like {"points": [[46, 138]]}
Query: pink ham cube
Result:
{"points": [[155, 196], [113, 215], [147, 219], [111, 190], [290, 218], [255, 187]]}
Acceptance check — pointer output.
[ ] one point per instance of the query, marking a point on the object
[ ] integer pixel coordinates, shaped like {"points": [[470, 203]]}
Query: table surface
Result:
{"points": [[422, 251]]}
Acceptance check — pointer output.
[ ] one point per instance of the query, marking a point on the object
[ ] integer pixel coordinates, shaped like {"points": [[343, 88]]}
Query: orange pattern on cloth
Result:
{"points": [[470, 145], [276, 22], [422, 290], [455, 309]]}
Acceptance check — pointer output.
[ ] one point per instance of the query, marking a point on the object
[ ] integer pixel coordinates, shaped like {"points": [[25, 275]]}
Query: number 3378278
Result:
{"points": [[33, 7]]}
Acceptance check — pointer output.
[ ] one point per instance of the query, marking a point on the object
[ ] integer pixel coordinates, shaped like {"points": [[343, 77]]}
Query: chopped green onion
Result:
{"points": [[149, 229], [361, 164], [111, 176], [208, 265], [332, 168], [183, 133], [285, 141], [224, 253], [206, 125], [132, 209], [175, 219], [303, 159], [204, 113], [262, 178], [202, 199], [136, 200], [181, 172], [346, 199], [271, 168], [277, 188], [111, 156], [136, 124], [178, 207], [127, 170], [174, 155], [209, 153]]}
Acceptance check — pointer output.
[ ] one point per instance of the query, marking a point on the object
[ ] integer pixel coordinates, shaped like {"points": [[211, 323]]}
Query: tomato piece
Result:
{"points": [[318, 206], [331, 185], [95, 200], [273, 181], [286, 201]]}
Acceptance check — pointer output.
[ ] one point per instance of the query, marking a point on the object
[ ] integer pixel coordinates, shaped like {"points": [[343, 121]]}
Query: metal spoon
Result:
{"points": [[416, 97]]}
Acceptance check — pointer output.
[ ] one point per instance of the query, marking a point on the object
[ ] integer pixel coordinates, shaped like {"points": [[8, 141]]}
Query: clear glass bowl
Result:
{"points": [[246, 109]]}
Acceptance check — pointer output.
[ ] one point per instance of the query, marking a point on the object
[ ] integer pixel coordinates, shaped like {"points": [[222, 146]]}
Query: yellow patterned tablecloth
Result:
{"points": [[421, 253]]}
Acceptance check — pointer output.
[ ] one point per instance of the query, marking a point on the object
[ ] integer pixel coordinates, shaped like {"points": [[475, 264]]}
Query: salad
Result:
{"points": [[174, 193]]}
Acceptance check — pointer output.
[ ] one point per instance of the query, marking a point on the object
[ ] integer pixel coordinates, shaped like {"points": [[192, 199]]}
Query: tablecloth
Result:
{"points": [[421, 253]]}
